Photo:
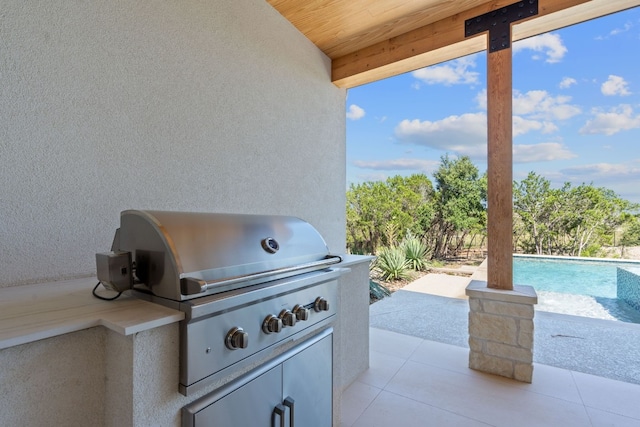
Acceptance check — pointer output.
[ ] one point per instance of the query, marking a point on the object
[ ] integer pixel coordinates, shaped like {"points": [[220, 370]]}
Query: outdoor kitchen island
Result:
{"points": [[70, 359]]}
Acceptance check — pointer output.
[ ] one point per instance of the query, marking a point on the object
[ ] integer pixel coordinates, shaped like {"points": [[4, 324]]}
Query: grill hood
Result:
{"points": [[182, 255]]}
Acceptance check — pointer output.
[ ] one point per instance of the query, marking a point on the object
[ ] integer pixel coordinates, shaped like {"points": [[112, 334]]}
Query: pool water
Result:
{"points": [[576, 286], [595, 278]]}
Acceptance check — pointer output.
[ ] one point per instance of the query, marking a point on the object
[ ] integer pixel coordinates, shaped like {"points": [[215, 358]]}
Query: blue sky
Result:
{"points": [[576, 104]]}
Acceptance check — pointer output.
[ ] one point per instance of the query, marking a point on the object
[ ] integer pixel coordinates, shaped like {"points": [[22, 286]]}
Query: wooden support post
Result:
{"points": [[499, 136], [499, 170]]}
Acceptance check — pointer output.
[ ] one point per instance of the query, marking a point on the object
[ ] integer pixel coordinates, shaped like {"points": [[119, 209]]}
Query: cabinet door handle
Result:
{"points": [[289, 403], [279, 412]]}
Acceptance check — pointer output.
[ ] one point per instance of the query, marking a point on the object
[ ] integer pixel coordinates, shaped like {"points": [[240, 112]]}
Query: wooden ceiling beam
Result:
{"points": [[445, 39]]}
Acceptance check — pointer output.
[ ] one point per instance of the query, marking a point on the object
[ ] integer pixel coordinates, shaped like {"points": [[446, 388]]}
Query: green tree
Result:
{"points": [[412, 197], [459, 208], [591, 215], [381, 213], [368, 212], [574, 221], [536, 210], [631, 232]]}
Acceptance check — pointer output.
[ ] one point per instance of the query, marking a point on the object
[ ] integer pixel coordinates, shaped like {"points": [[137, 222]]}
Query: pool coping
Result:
{"points": [[579, 258]]}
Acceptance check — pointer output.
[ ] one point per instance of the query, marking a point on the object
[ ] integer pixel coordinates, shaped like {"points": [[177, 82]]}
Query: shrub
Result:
{"points": [[593, 250], [392, 264], [415, 252], [377, 291]]}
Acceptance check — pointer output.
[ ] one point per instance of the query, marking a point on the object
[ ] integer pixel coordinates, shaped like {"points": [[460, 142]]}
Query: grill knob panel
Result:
{"points": [[272, 324], [301, 313], [321, 304], [236, 338]]}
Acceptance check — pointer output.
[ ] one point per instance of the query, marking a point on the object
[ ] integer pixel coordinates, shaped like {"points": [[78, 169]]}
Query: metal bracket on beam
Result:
{"points": [[498, 23]]}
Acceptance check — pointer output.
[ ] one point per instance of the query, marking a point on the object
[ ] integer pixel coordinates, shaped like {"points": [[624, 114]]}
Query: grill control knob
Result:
{"points": [[271, 324], [236, 338], [288, 318], [321, 304], [301, 313]]}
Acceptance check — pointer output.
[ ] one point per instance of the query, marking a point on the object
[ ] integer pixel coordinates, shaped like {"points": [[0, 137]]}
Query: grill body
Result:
{"points": [[252, 287]]}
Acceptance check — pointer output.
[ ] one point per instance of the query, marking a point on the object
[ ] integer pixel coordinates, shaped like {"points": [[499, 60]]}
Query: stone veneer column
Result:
{"points": [[501, 330]]}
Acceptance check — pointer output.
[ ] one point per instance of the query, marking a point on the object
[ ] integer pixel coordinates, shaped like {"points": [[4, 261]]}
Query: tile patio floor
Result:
{"points": [[416, 382]]}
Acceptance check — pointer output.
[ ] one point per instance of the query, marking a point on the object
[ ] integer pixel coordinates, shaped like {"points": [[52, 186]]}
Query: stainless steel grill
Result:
{"points": [[185, 255], [249, 285]]}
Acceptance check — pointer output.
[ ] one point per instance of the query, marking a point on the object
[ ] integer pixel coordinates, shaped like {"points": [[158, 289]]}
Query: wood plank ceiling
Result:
{"points": [[369, 40]]}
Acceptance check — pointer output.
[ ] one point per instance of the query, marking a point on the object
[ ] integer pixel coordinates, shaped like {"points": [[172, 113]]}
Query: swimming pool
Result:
{"points": [[585, 287]]}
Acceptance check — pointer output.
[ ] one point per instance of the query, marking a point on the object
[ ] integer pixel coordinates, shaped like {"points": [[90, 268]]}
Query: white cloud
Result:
{"points": [[618, 119], [544, 152], [601, 169], [620, 177], [550, 44], [539, 104], [522, 126], [626, 27], [399, 164], [536, 110], [567, 82], [466, 135], [355, 112], [453, 133], [372, 177], [453, 72], [615, 85], [481, 99]]}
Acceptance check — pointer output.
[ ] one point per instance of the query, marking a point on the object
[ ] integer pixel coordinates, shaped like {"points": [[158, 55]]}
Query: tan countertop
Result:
{"points": [[33, 312]]}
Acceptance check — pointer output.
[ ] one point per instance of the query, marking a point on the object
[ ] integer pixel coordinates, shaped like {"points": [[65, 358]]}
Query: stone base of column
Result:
{"points": [[501, 330]]}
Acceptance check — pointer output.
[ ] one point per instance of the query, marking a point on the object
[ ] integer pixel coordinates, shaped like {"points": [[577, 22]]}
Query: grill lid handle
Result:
{"points": [[192, 286]]}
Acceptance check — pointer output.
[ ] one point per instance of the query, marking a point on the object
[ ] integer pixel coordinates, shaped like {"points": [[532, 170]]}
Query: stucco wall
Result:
{"points": [[217, 106], [54, 382]]}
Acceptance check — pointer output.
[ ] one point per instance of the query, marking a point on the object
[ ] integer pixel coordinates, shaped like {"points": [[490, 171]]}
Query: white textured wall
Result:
{"points": [[209, 105], [54, 382]]}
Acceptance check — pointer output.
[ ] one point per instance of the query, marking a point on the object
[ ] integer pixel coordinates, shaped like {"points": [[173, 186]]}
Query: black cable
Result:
{"points": [[101, 297]]}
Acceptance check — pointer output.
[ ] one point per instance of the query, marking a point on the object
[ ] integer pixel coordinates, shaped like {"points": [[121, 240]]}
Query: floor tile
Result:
{"points": [[382, 367], [355, 400], [493, 400], [392, 343], [391, 410], [601, 418], [609, 395], [553, 382], [415, 383], [548, 380], [442, 355]]}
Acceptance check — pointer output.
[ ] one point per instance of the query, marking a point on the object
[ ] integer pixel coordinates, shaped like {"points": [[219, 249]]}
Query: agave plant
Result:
{"points": [[392, 264], [377, 291], [415, 252]]}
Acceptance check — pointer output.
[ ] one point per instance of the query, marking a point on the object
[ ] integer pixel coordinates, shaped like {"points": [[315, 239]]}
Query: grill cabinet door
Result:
{"points": [[251, 405], [307, 380], [297, 391]]}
